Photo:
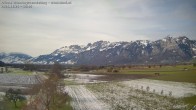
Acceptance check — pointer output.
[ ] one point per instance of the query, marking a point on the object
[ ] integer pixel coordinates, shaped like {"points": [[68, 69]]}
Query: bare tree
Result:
{"points": [[56, 69], [48, 95]]}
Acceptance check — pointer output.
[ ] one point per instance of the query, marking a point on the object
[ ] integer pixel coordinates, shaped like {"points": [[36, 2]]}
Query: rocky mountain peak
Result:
{"points": [[166, 50]]}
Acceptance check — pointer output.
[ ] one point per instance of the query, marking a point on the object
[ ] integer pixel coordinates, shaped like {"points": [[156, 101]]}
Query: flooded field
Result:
{"points": [[166, 88], [94, 92], [17, 81]]}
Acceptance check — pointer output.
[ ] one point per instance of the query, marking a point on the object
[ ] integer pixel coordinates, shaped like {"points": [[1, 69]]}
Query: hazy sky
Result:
{"points": [[42, 29]]}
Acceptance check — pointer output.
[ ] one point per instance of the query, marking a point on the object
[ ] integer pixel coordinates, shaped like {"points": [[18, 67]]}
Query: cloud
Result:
{"points": [[43, 29]]}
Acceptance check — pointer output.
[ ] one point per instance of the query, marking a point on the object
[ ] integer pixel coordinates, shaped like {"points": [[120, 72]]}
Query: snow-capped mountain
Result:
{"points": [[14, 58], [167, 50]]}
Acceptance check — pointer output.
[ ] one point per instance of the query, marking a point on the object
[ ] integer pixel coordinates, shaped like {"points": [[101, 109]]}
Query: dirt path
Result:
{"points": [[83, 99]]}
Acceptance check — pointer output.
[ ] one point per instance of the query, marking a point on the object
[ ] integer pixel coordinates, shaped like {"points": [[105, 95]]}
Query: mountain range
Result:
{"points": [[166, 50], [14, 57]]}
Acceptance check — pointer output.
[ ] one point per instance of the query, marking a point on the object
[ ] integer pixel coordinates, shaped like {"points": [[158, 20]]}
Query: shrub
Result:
{"points": [[109, 69], [141, 87], [170, 93], [194, 64], [115, 71], [161, 92], [14, 96], [148, 88]]}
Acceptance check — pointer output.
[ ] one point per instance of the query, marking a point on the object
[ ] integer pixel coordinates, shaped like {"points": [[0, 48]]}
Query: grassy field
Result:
{"points": [[179, 73], [67, 82], [190, 100], [19, 71], [7, 105], [178, 76], [10, 105]]}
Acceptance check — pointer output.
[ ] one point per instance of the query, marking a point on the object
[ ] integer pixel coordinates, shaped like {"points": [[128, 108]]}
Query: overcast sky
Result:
{"points": [[42, 29]]}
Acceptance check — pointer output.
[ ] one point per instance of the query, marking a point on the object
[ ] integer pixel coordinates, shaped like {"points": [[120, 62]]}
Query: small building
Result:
{"points": [[4, 69]]}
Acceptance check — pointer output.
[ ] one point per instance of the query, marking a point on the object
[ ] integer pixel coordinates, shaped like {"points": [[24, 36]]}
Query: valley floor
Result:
{"points": [[139, 94]]}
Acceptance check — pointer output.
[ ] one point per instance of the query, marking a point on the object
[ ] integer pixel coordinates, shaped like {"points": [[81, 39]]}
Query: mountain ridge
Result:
{"points": [[166, 50], [14, 57]]}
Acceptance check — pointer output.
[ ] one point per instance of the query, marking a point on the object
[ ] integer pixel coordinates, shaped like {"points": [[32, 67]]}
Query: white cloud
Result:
{"points": [[41, 30]]}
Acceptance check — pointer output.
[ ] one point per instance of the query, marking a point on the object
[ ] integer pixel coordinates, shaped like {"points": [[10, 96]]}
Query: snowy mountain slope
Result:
{"points": [[167, 50], [15, 58]]}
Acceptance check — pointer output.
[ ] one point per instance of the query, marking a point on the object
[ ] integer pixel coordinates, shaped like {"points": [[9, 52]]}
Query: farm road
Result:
{"points": [[83, 99]]}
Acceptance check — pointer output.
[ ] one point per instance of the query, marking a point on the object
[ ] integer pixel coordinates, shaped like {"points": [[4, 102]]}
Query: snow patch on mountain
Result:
{"points": [[140, 51], [71, 62], [15, 58], [144, 42], [69, 49]]}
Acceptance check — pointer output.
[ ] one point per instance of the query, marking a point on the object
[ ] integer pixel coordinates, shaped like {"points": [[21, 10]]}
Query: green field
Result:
{"points": [[179, 73], [7, 105], [21, 71], [190, 100], [178, 76]]}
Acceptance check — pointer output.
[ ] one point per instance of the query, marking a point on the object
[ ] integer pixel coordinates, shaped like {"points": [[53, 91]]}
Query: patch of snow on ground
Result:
{"points": [[2, 93], [177, 89], [123, 97], [83, 99], [18, 79], [84, 78]]}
